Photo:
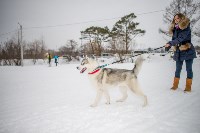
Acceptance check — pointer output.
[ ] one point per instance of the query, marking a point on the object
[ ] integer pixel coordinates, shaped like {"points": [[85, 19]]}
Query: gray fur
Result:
{"points": [[138, 65], [109, 77], [84, 61], [114, 76]]}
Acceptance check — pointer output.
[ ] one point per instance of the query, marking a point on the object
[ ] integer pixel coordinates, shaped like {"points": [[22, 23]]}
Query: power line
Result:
{"points": [[53, 26], [7, 33], [150, 12], [76, 23]]}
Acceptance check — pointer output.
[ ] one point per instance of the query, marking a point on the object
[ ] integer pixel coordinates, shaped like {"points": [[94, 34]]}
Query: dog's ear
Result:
{"points": [[86, 57], [93, 57]]}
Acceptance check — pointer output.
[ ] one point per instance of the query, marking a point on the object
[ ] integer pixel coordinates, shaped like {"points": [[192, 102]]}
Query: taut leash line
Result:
{"points": [[102, 66], [135, 55]]}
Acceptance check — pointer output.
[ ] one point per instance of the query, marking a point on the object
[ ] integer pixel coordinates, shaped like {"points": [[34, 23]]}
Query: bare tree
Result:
{"points": [[117, 46], [35, 50], [70, 49], [189, 8], [1, 55], [10, 53], [88, 35], [89, 48]]}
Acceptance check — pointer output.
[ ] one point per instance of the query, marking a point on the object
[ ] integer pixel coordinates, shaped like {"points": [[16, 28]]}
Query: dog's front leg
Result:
{"points": [[107, 96], [98, 98]]}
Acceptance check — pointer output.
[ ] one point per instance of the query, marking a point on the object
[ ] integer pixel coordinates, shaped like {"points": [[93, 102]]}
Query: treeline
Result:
{"points": [[96, 40], [10, 51], [117, 40]]}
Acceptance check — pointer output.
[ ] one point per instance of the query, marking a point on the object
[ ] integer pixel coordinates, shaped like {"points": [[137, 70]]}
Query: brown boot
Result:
{"points": [[175, 84], [188, 85]]}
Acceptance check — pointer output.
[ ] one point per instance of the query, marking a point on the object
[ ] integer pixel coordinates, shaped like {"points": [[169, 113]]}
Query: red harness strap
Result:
{"points": [[93, 72]]}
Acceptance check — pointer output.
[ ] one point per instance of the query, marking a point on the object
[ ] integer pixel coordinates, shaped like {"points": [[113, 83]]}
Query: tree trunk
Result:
{"points": [[126, 41], [92, 46]]}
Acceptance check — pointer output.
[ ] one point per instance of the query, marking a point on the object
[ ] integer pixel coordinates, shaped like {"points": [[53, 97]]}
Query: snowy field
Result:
{"points": [[42, 99]]}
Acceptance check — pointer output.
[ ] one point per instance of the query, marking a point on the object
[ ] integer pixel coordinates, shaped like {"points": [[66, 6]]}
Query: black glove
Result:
{"points": [[167, 48]]}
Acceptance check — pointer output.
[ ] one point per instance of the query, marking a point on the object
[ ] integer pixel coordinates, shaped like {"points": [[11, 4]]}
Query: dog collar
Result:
{"points": [[95, 71], [98, 68]]}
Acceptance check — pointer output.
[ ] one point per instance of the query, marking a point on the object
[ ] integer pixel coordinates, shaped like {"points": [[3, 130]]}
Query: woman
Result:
{"points": [[183, 49]]}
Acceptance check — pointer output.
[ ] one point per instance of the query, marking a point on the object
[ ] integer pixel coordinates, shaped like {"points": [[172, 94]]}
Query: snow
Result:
{"points": [[42, 99]]}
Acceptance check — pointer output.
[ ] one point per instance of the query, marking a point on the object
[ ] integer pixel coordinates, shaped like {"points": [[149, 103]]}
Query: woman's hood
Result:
{"points": [[183, 24]]}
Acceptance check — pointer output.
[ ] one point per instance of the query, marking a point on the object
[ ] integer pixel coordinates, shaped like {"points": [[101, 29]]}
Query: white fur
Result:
{"points": [[102, 88]]}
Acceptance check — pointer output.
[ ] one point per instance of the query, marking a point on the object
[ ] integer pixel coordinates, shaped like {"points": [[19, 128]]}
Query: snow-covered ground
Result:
{"points": [[42, 99]]}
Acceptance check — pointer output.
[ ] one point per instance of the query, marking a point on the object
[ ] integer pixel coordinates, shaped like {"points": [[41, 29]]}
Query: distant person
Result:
{"points": [[49, 59], [56, 59], [183, 49]]}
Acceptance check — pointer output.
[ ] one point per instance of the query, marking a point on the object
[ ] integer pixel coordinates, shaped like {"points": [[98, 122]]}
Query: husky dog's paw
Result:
{"points": [[107, 103], [93, 105], [145, 104], [120, 100], [145, 101]]}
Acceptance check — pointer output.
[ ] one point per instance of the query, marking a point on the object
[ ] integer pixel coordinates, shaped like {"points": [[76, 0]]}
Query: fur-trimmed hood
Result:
{"points": [[183, 24]]}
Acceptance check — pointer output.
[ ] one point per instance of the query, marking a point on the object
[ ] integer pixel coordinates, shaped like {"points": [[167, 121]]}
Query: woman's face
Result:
{"points": [[177, 19]]}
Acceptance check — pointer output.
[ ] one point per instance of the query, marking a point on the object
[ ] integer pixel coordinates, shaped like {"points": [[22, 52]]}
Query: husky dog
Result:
{"points": [[105, 78]]}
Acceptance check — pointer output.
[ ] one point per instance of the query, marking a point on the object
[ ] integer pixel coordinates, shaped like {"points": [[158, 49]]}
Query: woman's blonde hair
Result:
{"points": [[180, 15], [184, 21]]}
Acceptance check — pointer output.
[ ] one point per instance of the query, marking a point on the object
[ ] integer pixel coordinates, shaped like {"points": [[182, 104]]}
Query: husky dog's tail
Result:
{"points": [[138, 65]]}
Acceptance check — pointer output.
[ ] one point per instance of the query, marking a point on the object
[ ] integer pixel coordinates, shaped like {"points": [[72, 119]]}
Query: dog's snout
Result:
{"points": [[78, 67]]}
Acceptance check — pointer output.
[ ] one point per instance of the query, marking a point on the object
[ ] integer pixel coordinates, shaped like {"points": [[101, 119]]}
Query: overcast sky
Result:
{"points": [[67, 17]]}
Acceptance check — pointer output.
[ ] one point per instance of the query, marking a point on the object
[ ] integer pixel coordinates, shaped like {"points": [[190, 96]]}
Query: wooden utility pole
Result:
{"points": [[22, 58]]}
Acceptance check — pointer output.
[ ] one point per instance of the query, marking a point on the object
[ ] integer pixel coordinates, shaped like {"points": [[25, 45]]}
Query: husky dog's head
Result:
{"points": [[88, 64]]}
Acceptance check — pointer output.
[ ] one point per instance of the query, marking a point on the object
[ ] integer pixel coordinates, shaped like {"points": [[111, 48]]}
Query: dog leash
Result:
{"points": [[102, 66]]}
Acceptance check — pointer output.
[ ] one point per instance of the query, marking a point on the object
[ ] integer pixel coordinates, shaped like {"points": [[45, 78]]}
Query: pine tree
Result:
{"points": [[126, 29], [96, 35]]}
